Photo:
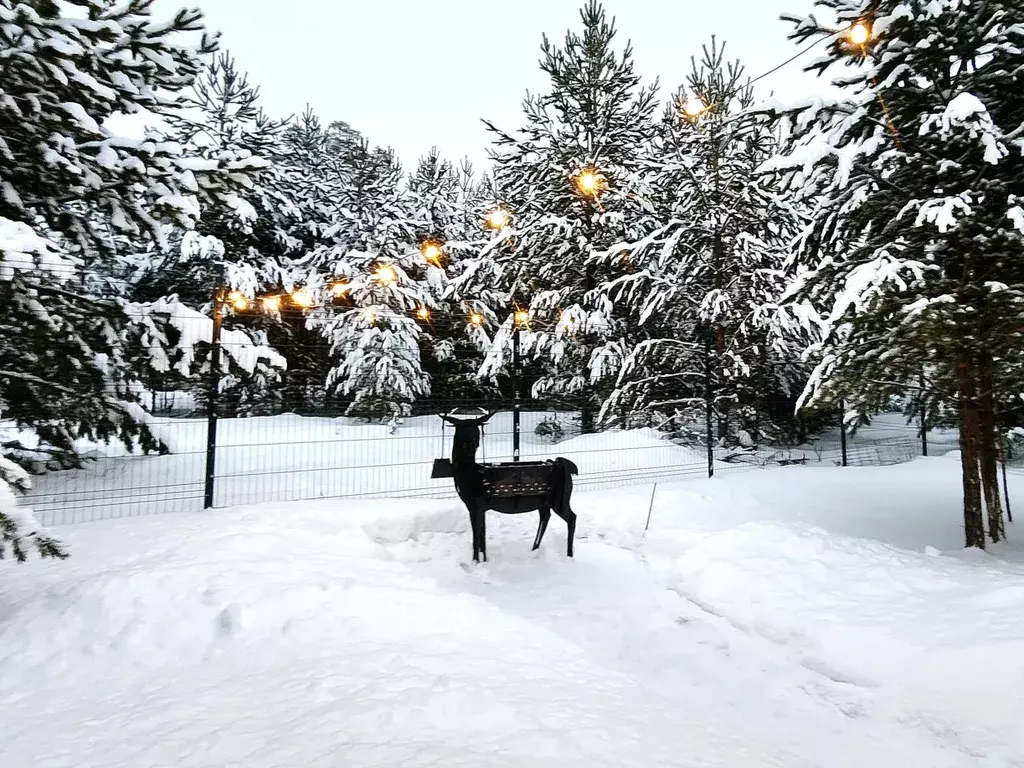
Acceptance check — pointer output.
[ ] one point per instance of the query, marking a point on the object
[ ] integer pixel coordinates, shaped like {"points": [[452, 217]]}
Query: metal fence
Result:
{"points": [[292, 440], [291, 457], [288, 457]]}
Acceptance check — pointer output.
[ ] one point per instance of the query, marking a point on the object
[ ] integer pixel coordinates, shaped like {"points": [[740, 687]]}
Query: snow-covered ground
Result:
{"points": [[290, 457], [804, 616]]}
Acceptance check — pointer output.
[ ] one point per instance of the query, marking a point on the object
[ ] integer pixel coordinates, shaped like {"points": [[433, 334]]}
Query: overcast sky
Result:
{"points": [[417, 73]]}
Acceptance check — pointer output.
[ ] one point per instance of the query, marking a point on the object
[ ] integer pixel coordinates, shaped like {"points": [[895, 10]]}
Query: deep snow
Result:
{"points": [[792, 617]]}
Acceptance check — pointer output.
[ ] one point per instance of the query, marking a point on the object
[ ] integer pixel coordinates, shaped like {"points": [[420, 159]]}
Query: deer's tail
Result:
{"points": [[569, 467], [563, 491]]}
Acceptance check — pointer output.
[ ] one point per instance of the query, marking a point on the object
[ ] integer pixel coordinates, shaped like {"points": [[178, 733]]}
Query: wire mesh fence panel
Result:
{"points": [[287, 417], [115, 481]]}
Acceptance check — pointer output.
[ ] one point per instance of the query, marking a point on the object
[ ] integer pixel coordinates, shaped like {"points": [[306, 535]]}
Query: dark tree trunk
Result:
{"points": [[989, 449], [587, 414], [974, 522]]}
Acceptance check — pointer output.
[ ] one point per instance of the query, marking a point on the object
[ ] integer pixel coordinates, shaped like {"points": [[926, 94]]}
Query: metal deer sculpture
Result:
{"points": [[509, 488]]}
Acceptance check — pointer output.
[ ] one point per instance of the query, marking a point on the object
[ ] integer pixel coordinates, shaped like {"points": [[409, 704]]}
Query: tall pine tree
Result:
{"points": [[919, 176], [70, 189], [442, 199], [701, 285], [381, 282], [220, 119], [573, 179]]}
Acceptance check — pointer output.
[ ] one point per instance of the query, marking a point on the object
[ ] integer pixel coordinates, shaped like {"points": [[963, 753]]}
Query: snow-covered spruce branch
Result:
{"points": [[36, 380], [19, 530]]}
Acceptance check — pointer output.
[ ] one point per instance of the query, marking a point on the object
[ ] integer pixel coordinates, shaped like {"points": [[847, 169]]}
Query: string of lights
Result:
{"points": [[590, 183], [859, 34], [302, 304]]}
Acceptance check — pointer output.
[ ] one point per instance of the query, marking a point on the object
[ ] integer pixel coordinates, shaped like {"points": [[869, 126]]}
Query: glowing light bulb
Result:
{"points": [[272, 303], [476, 318], [588, 182], [522, 317], [423, 313], [339, 288], [303, 298], [386, 275], [859, 33], [238, 300], [694, 107], [432, 252], [498, 218]]}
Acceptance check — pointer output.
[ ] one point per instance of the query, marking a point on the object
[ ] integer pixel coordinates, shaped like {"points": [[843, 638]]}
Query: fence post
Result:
{"points": [[212, 398], [842, 431], [1006, 491], [924, 422], [709, 408], [516, 404]]}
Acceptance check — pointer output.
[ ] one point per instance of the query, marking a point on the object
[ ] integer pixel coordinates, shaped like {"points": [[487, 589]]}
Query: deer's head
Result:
{"points": [[467, 436]]}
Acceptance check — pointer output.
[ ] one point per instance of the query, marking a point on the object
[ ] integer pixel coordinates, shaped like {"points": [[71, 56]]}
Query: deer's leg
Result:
{"points": [[542, 526], [483, 533], [570, 521], [474, 524]]}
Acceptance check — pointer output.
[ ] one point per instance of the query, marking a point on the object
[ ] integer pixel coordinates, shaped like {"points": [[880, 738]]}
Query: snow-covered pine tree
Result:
{"points": [[479, 286], [243, 244], [443, 200], [700, 286], [380, 281], [312, 161], [477, 200], [220, 119], [316, 156], [434, 200], [914, 253], [69, 187], [477, 274], [572, 178]]}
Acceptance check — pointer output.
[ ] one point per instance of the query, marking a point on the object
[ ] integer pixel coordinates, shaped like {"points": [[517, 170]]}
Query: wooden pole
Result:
{"points": [[924, 422], [709, 407]]}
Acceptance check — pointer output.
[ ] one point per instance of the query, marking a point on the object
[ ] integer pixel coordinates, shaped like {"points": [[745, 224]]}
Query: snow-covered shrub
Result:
{"points": [[550, 429]]}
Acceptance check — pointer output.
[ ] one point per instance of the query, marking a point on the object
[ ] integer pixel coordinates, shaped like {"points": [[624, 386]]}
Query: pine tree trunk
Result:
{"points": [[587, 414], [974, 522], [989, 449]]}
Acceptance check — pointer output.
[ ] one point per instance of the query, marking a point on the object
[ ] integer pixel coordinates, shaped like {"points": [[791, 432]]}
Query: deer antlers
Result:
{"points": [[465, 416]]}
